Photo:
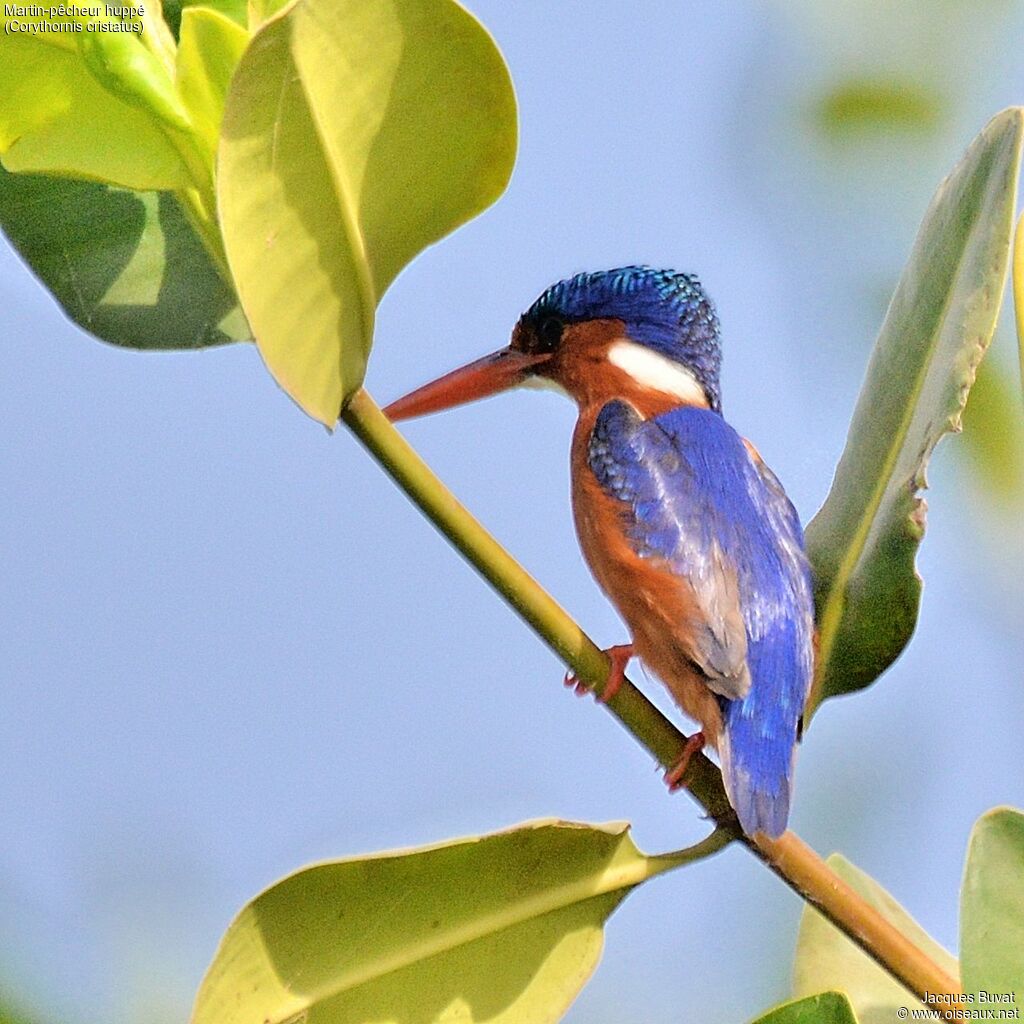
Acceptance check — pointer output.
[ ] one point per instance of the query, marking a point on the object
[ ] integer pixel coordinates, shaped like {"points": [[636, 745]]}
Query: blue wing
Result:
{"points": [[721, 521]]}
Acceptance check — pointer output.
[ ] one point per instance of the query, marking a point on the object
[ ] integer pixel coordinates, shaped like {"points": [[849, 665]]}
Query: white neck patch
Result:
{"points": [[538, 383], [652, 370]]}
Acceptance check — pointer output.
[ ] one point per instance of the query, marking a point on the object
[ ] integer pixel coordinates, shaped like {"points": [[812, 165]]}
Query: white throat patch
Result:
{"points": [[652, 370], [544, 384]]}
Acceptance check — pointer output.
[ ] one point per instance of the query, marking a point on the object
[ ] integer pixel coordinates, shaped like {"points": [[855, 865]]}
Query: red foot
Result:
{"points": [[619, 657], [674, 776]]}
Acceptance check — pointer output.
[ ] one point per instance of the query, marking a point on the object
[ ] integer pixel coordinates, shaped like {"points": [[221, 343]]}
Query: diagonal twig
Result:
{"points": [[788, 856]]}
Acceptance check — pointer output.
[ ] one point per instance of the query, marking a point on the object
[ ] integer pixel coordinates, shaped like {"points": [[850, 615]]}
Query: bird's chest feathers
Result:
{"points": [[638, 586], [612, 367], [662, 613]]}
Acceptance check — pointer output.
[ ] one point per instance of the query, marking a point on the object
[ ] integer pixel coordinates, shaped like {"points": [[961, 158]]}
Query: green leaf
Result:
{"points": [[9, 1013], [236, 10], [125, 266], [128, 70], [1018, 290], [56, 118], [864, 539], [262, 10], [992, 910], [993, 439], [356, 134], [827, 959], [879, 103], [824, 1008], [501, 928], [210, 46]]}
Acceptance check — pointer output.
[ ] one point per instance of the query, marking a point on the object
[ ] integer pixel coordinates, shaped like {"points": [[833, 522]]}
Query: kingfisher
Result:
{"points": [[682, 524]]}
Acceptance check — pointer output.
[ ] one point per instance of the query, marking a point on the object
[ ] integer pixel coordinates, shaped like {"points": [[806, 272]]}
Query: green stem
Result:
{"points": [[707, 847], [791, 859]]}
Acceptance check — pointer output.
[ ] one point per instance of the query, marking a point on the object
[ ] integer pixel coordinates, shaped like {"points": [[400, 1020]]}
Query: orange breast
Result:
{"points": [[658, 607]]}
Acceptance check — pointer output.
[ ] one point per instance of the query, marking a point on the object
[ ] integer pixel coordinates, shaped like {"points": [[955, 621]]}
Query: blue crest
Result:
{"points": [[664, 309]]}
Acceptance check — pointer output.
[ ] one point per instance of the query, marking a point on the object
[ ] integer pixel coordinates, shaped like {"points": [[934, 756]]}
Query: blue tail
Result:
{"points": [[761, 729]]}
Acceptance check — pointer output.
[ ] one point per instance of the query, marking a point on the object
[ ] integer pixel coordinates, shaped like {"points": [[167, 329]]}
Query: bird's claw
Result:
{"points": [[674, 775], [619, 656], [580, 688]]}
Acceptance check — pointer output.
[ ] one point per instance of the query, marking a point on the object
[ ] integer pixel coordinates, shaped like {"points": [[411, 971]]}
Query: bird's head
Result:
{"points": [[637, 333]]}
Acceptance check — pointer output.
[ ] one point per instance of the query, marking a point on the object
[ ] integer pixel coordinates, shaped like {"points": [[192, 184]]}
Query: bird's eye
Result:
{"points": [[549, 332]]}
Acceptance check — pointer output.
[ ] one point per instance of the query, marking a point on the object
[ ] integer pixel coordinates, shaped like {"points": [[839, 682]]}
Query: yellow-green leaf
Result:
{"points": [[209, 48], [864, 539], [261, 10], [501, 928], [236, 10], [357, 132], [10, 1015], [125, 266], [993, 439], [56, 118], [992, 911], [873, 103], [1018, 289], [824, 1008], [827, 959], [130, 71]]}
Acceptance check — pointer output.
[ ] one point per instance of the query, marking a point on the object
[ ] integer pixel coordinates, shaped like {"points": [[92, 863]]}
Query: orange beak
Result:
{"points": [[499, 371]]}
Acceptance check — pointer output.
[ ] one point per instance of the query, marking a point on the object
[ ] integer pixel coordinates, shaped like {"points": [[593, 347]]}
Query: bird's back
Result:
{"points": [[696, 543]]}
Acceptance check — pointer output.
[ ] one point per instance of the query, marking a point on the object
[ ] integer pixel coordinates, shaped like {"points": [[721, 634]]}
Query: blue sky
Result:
{"points": [[232, 647]]}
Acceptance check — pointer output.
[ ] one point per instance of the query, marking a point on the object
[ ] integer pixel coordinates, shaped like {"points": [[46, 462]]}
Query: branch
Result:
{"points": [[789, 857]]}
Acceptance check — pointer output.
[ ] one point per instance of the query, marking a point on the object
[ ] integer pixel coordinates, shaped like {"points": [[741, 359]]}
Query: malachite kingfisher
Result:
{"points": [[684, 527]]}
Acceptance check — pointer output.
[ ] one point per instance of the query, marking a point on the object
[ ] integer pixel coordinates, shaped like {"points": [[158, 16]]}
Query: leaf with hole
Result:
{"points": [[863, 541]]}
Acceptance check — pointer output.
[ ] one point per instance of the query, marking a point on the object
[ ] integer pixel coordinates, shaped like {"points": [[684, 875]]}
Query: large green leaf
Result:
{"points": [[502, 928], [56, 118], [863, 541], [209, 48], [992, 910], [356, 133], [126, 266], [824, 1008], [827, 960]]}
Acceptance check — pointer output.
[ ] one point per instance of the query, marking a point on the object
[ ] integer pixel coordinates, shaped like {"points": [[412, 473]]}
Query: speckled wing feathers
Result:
{"points": [[716, 518], [670, 519]]}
